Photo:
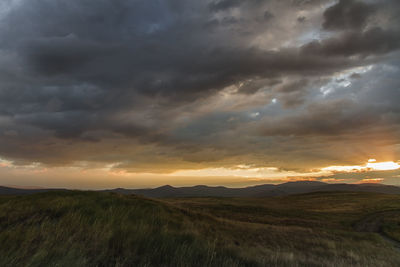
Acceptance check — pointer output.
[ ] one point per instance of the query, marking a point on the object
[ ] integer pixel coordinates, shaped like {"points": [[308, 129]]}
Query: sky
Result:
{"points": [[133, 93]]}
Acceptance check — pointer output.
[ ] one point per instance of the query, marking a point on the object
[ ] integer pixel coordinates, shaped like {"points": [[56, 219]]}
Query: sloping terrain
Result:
{"points": [[67, 228]]}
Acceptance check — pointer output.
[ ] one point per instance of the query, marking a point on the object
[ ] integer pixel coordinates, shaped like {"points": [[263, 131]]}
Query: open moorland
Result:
{"points": [[71, 228]]}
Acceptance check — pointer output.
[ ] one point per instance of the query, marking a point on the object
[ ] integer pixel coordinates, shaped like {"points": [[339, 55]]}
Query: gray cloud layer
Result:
{"points": [[198, 83]]}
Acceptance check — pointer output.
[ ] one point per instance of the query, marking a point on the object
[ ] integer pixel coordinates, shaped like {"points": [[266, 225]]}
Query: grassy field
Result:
{"points": [[106, 229]]}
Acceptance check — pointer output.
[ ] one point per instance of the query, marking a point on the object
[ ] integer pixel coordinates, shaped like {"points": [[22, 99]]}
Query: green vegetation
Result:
{"points": [[107, 229]]}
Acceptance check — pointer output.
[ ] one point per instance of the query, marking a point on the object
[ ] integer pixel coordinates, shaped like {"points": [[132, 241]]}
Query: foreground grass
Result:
{"points": [[100, 229], [105, 229]]}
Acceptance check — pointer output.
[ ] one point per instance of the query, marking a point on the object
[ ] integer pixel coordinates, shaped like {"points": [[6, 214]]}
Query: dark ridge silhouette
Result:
{"points": [[266, 190], [19, 191]]}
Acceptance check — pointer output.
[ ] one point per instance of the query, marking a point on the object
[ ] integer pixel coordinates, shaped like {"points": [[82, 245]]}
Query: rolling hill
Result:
{"points": [[76, 228], [265, 190]]}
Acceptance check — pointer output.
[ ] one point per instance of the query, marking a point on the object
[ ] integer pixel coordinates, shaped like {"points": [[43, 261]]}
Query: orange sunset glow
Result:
{"points": [[187, 133], [220, 92]]}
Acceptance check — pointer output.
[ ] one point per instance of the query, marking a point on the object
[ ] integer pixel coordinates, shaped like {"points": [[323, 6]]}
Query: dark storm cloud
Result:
{"points": [[224, 4], [372, 114], [126, 74], [373, 41], [348, 14], [293, 93], [268, 15], [324, 118], [113, 45], [68, 55], [220, 5]]}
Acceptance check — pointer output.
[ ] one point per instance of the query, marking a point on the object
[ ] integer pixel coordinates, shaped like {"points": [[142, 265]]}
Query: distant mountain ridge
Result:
{"points": [[265, 190], [4, 190]]}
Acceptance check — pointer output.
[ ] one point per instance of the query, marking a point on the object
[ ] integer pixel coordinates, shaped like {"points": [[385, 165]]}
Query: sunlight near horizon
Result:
{"points": [[273, 172], [242, 174], [371, 165]]}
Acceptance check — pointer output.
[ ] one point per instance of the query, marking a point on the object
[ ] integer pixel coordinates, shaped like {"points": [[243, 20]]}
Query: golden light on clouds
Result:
{"points": [[246, 171], [273, 172], [240, 170], [239, 175], [383, 166], [5, 163], [372, 180], [371, 165]]}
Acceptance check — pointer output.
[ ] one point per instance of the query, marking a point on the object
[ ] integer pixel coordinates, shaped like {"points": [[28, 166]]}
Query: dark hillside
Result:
{"points": [[266, 190]]}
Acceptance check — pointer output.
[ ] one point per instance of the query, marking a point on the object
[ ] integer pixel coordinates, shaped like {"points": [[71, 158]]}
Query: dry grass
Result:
{"points": [[104, 229]]}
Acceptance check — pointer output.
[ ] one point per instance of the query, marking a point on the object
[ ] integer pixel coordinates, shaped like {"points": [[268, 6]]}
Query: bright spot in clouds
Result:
{"points": [[5, 163], [372, 165], [242, 171], [255, 114], [383, 166], [274, 173]]}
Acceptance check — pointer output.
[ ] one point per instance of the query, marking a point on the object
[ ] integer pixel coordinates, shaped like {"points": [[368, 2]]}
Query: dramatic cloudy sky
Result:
{"points": [[134, 93]]}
